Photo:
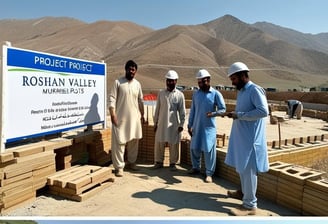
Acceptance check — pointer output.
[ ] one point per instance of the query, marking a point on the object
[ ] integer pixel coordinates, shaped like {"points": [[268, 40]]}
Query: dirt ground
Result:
{"points": [[151, 193], [164, 193]]}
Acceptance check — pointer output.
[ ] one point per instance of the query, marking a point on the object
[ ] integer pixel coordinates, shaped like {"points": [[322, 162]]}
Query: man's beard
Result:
{"points": [[240, 85], [129, 77], [170, 87], [204, 88]]}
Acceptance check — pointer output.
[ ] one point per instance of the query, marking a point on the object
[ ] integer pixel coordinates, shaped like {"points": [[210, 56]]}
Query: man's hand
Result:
{"points": [[232, 115], [114, 120], [209, 114]]}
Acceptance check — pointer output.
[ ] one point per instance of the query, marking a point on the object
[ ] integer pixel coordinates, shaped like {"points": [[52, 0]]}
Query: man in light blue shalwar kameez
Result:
{"points": [[247, 149], [207, 103]]}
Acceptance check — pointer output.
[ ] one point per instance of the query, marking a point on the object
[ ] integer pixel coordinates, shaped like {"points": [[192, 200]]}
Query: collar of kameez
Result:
{"points": [[248, 84], [171, 91], [211, 89]]}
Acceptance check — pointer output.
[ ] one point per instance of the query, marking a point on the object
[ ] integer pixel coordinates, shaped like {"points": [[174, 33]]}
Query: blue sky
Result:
{"points": [[307, 16]]}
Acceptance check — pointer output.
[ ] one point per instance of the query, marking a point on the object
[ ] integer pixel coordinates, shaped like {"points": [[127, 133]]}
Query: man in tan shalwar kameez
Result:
{"points": [[127, 113]]}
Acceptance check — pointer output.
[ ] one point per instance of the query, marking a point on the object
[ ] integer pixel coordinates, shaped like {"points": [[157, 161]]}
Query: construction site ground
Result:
{"points": [[164, 193]]}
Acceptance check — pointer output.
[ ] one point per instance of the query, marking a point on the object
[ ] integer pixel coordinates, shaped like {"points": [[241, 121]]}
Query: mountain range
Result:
{"points": [[278, 57]]}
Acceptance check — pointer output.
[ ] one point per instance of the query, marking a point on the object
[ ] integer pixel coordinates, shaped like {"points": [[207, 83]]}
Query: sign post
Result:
{"points": [[44, 94]]}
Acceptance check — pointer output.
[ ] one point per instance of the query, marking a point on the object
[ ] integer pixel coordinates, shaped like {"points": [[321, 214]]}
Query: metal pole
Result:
{"points": [[279, 134]]}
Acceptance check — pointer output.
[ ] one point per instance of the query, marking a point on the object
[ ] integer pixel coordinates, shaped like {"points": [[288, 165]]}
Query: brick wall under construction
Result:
{"points": [[297, 187], [24, 169]]}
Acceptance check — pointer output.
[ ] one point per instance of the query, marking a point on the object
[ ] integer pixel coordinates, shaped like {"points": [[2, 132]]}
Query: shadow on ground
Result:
{"points": [[182, 191]]}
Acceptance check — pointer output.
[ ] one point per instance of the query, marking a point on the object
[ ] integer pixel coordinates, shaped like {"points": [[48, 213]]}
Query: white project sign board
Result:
{"points": [[45, 93]]}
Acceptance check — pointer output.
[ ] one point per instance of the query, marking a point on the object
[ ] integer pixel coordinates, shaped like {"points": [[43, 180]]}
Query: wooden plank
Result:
{"points": [[44, 164], [91, 185], [26, 186], [4, 211], [79, 182], [35, 158], [12, 196], [40, 183], [16, 172], [28, 150], [91, 193], [78, 197], [40, 172], [6, 183], [70, 191], [21, 170], [61, 173], [104, 172], [79, 172], [62, 191], [40, 180], [6, 156], [5, 164], [28, 163], [58, 143], [82, 181], [19, 200]]}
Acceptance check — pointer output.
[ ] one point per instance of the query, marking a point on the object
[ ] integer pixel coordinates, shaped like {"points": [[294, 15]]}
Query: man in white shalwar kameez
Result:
{"points": [[169, 119], [127, 113]]}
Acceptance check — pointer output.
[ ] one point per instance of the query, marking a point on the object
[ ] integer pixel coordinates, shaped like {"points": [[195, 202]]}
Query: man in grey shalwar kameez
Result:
{"points": [[169, 119]]}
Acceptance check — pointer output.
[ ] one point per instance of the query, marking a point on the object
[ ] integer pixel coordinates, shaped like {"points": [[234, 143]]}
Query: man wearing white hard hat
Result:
{"points": [[169, 119], [207, 103], [247, 149]]}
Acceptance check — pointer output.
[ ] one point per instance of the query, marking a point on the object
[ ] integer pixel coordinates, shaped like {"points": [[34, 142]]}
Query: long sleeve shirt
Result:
{"points": [[126, 99], [203, 127], [248, 132], [169, 115]]}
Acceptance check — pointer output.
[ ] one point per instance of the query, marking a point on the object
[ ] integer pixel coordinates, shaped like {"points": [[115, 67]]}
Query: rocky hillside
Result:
{"points": [[275, 61]]}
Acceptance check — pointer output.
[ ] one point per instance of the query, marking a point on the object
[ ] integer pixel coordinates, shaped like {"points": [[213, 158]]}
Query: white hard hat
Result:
{"points": [[237, 67], [171, 74], [202, 74]]}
